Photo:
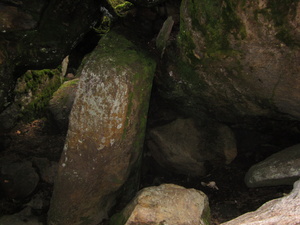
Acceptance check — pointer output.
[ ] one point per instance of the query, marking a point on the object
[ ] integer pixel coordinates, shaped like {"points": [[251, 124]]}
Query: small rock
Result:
{"points": [[281, 168], [167, 204], [61, 104]]}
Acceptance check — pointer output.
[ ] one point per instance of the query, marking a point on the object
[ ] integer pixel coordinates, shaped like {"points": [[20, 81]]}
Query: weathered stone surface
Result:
{"points": [[166, 204], [185, 147], [18, 179], [285, 210], [61, 103], [281, 168], [236, 60], [106, 131]]}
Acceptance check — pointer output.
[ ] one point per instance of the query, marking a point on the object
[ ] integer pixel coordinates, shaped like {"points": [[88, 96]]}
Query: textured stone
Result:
{"points": [[106, 131], [61, 103], [185, 147], [285, 210], [235, 61], [281, 168], [168, 204]]}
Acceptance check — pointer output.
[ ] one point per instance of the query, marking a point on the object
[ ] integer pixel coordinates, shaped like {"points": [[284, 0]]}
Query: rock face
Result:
{"points": [[285, 210], [106, 131], [61, 103], [39, 34], [185, 147], [167, 204], [281, 168], [235, 60]]}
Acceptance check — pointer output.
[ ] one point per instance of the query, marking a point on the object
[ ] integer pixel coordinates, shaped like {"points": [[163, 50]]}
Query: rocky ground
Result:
{"points": [[228, 199]]}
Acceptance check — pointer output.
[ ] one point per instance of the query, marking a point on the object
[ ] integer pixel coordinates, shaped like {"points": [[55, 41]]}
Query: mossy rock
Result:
{"points": [[223, 59]]}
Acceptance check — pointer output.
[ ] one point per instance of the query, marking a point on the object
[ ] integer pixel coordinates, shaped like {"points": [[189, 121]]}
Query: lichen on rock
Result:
{"points": [[106, 131]]}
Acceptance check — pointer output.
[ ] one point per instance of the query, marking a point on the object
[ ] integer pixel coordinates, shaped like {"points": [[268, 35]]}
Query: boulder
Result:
{"points": [[106, 131], [285, 210], [166, 204], [61, 103], [234, 61], [18, 179], [281, 168], [185, 147]]}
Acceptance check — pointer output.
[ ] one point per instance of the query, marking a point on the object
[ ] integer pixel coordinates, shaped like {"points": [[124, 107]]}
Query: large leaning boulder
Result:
{"points": [[285, 210], [106, 131]]}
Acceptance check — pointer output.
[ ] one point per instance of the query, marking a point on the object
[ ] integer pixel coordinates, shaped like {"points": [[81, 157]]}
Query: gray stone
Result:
{"points": [[285, 210], [106, 131], [167, 204], [61, 103], [184, 147], [281, 168]]}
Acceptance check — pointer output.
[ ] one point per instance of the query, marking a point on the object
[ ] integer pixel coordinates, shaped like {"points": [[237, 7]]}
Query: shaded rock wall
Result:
{"points": [[233, 61]]}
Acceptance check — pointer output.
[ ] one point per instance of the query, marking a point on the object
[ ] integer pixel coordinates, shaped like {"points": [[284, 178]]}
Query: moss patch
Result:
{"points": [[280, 12], [34, 91], [216, 21], [120, 7]]}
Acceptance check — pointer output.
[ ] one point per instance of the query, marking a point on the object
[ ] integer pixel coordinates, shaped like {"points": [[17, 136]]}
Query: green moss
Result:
{"points": [[280, 12], [40, 84], [216, 21], [117, 219], [120, 7], [206, 216], [104, 26]]}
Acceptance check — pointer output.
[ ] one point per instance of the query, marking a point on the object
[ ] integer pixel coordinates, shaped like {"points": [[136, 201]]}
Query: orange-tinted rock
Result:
{"points": [[106, 131]]}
